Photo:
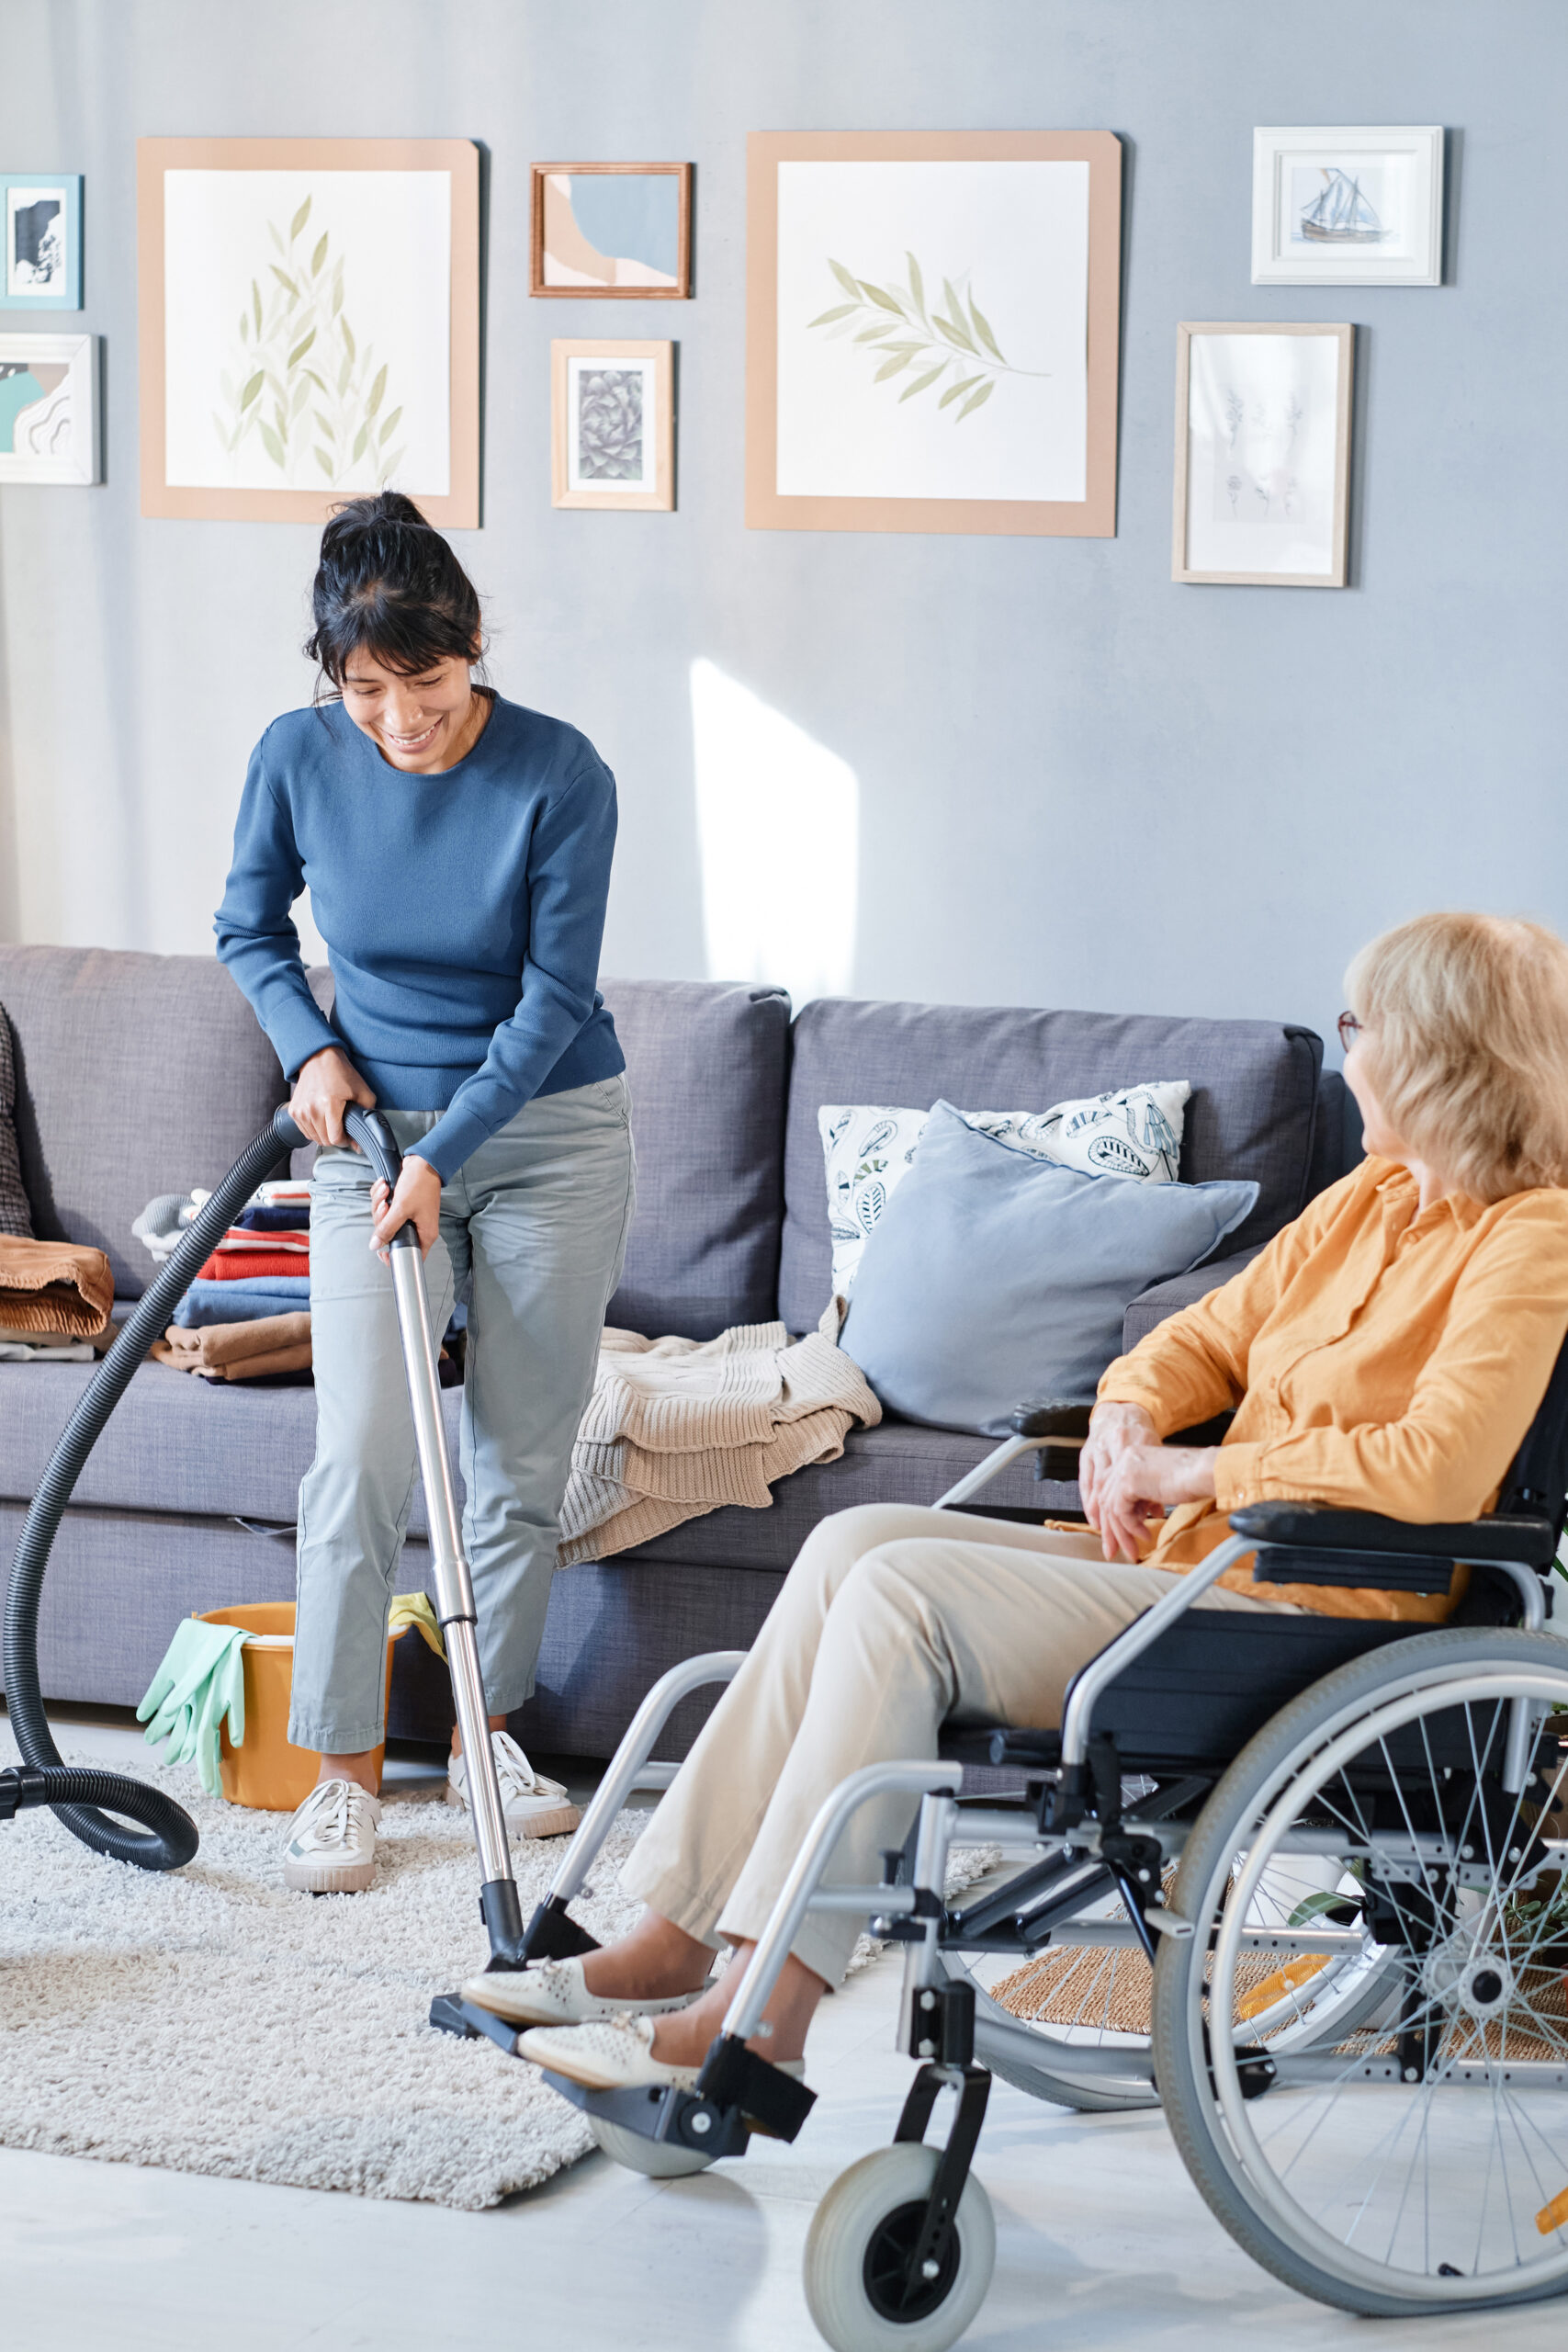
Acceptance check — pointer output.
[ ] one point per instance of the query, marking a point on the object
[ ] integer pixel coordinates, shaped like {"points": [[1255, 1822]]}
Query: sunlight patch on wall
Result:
{"points": [[778, 830]]}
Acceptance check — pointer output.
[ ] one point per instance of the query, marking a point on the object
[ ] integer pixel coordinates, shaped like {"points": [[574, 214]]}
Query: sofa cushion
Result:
{"points": [[175, 1442], [135, 1075], [706, 1063], [1251, 1114]]}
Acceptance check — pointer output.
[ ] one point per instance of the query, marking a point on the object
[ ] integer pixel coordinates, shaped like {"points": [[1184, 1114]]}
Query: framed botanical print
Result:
{"points": [[611, 231], [309, 325], [42, 260], [931, 331], [1262, 455], [612, 424]]}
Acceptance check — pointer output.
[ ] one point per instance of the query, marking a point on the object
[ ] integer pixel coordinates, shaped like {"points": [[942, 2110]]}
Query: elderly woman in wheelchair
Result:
{"points": [[1232, 1741]]}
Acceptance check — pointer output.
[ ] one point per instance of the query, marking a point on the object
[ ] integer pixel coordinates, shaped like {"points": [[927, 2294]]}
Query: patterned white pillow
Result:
{"points": [[1131, 1131]]}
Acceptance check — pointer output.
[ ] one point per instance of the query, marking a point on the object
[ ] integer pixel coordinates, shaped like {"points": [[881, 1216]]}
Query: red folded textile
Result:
{"points": [[249, 1265]]}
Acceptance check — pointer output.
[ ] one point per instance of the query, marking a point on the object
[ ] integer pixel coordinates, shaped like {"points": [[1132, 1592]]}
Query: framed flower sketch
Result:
{"points": [[1262, 455], [611, 231], [43, 241], [1351, 206], [613, 425], [49, 408], [931, 332], [309, 325]]}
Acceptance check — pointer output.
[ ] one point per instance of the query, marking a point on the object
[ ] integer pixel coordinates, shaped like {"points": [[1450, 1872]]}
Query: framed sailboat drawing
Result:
{"points": [[1348, 207]]}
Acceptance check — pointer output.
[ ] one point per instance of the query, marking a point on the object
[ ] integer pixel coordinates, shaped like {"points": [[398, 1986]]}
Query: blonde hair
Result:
{"points": [[1466, 1043]]}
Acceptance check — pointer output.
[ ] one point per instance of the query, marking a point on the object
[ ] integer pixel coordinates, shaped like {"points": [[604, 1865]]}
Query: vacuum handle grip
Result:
{"points": [[371, 1132]]}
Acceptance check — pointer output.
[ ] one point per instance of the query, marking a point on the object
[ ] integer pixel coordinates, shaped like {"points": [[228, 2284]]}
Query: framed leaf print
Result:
{"points": [[309, 325], [931, 331]]}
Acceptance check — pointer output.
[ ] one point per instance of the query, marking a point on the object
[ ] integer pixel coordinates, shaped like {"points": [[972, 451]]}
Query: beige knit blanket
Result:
{"points": [[678, 1427]]}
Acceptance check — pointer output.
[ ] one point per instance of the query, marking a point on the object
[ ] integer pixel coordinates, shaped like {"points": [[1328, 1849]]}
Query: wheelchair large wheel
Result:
{"points": [[1419, 2161], [859, 2246], [1100, 1998]]}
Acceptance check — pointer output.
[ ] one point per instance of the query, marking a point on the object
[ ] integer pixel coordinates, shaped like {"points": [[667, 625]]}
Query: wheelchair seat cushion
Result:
{"points": [[993, 1275]]}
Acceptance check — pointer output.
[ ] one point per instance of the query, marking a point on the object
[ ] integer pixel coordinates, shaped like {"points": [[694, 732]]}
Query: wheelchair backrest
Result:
{"points": [[1538, 1475]]}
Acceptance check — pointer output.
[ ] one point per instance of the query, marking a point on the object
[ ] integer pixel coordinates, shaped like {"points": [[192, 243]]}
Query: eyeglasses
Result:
{"points": [[1349, 1030]]}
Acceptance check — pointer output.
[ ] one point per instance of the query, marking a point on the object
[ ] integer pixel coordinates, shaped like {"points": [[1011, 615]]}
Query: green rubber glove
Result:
{"points": [[200, 1681]]}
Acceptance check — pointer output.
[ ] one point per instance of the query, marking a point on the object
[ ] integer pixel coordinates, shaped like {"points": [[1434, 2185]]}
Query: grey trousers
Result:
{"points": [[891, 1620], [538, 1217]]}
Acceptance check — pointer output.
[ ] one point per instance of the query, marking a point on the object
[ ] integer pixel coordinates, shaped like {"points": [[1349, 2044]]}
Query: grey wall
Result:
{"points": [[1078, 784]]}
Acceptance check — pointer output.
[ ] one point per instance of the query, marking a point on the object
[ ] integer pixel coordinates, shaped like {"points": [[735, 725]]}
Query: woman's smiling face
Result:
{"points": [[417, 723]]}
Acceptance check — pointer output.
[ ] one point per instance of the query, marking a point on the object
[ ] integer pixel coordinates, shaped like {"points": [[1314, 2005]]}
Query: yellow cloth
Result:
{"points": [[1378, 1359], [413, 1608]]}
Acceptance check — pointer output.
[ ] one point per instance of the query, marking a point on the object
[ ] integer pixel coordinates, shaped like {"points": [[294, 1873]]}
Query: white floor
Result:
{"points": [[1102, 2241]]}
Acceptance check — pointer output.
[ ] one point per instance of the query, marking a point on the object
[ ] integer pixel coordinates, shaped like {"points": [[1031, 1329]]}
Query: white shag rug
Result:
{"points": [[209, 2022]]}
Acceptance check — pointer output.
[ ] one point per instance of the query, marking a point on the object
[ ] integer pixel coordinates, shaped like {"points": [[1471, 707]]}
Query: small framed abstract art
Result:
{"points": [[1262, 455], [48, 409], [309, 326], [931, 331], [613, 425], [43, 241], [1358, 205], [611, 231]]}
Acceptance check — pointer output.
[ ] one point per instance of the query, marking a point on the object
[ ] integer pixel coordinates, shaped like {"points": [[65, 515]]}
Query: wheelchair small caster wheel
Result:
{"points": [[858, 2249], [659, 2159]]}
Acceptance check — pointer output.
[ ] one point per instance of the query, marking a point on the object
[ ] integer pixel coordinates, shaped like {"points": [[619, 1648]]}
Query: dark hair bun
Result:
{"points": [[388, 584]]}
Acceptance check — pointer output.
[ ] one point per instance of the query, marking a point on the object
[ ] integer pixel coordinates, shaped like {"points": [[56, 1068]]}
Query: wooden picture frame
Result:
{"points": [[1280, 489], [436, 404], [1080, 327], [572, 372], [609, 290]]}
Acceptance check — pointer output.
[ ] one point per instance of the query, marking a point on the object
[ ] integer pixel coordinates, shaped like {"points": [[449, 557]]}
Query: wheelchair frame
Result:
{"points": [[1075, 1846]]}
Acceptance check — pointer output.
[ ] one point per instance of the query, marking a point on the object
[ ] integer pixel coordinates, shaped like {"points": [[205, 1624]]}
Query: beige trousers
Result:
{"points": [[892, 1620]]}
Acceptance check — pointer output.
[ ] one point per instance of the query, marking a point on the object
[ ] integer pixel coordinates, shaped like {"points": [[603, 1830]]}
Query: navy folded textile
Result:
{"points": [[292, 1217]]}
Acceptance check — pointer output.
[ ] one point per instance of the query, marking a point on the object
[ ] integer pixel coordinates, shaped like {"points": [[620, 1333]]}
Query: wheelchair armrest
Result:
{"points": [[1513, 1535], [1054, 1417], [1313, 1544]]}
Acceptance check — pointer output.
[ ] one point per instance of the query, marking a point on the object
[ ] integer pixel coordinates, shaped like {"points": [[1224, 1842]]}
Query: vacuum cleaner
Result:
{"points": [[87, 1801]]}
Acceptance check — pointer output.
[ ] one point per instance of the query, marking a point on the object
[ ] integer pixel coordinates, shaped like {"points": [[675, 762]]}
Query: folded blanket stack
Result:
{"points": [[54, 1299], [678, 1427], [272, 1343]]}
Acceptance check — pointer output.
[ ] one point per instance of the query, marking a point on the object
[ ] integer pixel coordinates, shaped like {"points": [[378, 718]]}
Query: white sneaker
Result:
{"points": [[331, 1841], [616, 2055], [551, 1992], [533, 1806]]}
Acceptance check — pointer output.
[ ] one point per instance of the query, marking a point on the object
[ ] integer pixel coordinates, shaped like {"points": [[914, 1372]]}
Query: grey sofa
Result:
{"points": [[143, 1074]]}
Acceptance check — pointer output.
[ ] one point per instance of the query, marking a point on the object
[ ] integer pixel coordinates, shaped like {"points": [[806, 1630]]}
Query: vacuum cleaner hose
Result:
{"points": [[168, 1836]]}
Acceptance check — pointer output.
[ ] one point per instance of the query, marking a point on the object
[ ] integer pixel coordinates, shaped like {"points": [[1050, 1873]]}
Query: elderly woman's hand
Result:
{"points": [[1141, 1484], [1111, 1429]]}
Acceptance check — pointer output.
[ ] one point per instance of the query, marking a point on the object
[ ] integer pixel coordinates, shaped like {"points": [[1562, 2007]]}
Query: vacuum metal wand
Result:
{"points": [[499, 1903]]}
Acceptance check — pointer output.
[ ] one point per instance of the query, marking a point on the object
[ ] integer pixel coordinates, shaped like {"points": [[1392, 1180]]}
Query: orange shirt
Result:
{"points": [[1378, 1359]]}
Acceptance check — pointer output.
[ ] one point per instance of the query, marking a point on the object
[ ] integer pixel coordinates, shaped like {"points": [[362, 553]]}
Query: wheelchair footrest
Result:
{"points": [[735, 2077], [665, 2111], [450, 2013]]}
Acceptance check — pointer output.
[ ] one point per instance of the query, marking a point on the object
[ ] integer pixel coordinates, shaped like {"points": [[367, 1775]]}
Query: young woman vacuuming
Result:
{"points": [[456, 848]]}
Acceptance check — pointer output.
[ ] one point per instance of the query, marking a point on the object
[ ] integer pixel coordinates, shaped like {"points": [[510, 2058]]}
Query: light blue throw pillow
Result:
{"points": [[992, 1276]]}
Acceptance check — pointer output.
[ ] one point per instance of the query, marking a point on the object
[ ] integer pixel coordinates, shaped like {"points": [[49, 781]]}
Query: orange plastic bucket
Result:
{"points": [[266, 1772]]}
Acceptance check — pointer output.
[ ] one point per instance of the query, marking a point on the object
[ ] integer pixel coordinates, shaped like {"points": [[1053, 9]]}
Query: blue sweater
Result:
{"points": [[462, 911]]}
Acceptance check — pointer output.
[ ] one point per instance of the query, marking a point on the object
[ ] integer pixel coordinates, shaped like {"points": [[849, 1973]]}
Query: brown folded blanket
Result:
{"points": [[238, 1350], [54, 1290]]}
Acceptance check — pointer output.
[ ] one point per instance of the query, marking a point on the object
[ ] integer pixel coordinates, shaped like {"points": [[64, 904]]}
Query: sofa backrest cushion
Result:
{"points": [[707, 1064], [1252, 1111], [135, 1075]]}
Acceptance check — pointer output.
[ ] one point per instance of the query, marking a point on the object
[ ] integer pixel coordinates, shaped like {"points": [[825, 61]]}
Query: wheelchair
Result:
{"points": [[1302, 1881]]}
